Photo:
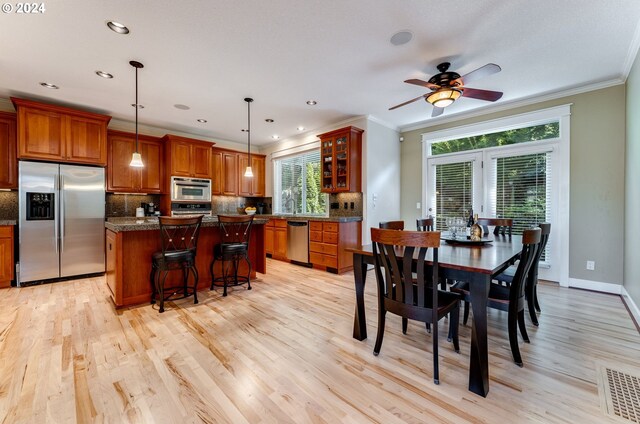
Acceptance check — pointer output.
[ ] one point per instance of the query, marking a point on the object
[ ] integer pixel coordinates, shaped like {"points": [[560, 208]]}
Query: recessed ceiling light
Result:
{"points": [[181, 107], [401, 37], [139, 106], [202, 121], [275, 136], [117, 27], [51, 86], [104, 74], [269, 120], [312, 102], [300, 128]]}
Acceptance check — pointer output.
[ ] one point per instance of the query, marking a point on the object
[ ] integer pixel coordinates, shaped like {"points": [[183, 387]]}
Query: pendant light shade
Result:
{"points": [[136, 158], [248, 172]]}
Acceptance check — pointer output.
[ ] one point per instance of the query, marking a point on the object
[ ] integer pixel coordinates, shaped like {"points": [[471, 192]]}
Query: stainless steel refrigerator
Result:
{"points": [[61, 220]]}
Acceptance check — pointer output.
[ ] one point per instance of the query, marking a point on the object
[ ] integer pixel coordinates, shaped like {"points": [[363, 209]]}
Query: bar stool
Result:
{"points": [[235, 232], [179, 242]]}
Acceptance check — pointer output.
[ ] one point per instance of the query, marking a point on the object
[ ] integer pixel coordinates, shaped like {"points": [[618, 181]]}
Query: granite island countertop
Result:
{"points": [[151, 223], [8, 222], [302, 217]]}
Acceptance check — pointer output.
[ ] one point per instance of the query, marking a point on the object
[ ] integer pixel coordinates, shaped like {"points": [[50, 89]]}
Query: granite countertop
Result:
{"points": [[151, 223], [8, 222], [302, 217]]}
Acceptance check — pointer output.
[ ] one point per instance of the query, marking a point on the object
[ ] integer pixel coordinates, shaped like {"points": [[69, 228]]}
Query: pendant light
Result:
{"points": [[248, 173], [136, 158]]}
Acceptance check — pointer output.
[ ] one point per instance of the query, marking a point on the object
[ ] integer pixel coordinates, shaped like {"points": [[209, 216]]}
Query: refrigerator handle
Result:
{"points": [[62, 207], [55, 213]]}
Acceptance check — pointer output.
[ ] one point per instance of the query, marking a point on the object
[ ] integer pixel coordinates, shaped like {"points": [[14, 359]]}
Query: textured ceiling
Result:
{"points": [[209, 55]]}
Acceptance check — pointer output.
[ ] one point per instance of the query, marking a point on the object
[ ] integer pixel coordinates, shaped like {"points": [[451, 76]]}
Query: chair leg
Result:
{"points": [[434, 337], [466, 313], [428, 326], [213, 277], [380, 336], [246, 258], [224, 277], [512, 323], [195, 283], [164, 277], [152, 280], [535, 298], [532, 310], [405, 322], [185, 280], [523, 328], [454, 322]]}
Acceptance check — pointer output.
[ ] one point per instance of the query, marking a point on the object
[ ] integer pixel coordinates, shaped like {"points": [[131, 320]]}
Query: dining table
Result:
{"points": [[476, 263]]}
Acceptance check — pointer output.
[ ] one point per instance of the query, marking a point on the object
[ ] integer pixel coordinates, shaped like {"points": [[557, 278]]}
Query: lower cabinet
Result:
{"points": [[7, 266], [276, 238], [328, 242]]}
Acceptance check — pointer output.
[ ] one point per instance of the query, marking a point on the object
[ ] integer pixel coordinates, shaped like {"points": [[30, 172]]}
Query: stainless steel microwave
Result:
{"points": [[190, 189]]}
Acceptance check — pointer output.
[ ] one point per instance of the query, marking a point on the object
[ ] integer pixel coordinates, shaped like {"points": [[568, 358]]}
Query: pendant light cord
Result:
{"points": [[136, 110], [249, 132]]}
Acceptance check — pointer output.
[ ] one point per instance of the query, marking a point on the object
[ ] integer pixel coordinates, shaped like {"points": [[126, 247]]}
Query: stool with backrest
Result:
{"points": [[512, 298], [503, 226], [235, 233], [179, 238], [391, 225], [531, 285], [407, 295], [424, 224]]}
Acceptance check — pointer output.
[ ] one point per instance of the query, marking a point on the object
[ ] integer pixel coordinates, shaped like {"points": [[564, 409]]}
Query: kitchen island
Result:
{"points": [[130, 242]]}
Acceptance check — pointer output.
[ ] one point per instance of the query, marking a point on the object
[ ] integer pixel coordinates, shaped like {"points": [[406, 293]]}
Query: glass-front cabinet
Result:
{"points": [[341, 156]]}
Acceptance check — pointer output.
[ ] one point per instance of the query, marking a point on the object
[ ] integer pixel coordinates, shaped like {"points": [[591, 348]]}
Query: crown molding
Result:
{"points": [[632, 53], [526, 101], [383, 123]]}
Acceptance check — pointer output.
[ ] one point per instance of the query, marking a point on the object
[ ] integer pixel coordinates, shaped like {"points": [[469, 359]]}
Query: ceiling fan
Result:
{"points": [[447, 86]]}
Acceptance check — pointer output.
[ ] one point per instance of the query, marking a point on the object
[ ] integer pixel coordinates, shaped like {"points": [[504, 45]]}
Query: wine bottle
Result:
{"points": [[469, 224], [476, 229]]}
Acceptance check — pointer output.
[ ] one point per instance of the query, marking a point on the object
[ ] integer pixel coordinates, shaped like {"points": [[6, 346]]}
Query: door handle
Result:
{"points": [[62, 213]]}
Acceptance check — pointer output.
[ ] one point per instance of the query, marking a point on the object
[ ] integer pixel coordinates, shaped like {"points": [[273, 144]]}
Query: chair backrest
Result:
{"points": [[424, 224], [179, 234], [235, 229], [502, 225], [406, 294], [392, 225], [530, 242], [545, 231]]}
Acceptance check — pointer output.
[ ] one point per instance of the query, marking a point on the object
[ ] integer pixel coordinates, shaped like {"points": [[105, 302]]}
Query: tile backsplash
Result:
{"points": [[344, 202], [9, 205], [126, 204]]}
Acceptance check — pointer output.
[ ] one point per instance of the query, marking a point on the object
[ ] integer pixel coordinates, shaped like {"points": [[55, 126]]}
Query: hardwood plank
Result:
{"points": [[284, 353]]}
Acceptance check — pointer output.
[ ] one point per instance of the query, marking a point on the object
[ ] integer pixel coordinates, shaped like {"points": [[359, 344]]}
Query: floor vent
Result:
{"points": [[620, 394]]}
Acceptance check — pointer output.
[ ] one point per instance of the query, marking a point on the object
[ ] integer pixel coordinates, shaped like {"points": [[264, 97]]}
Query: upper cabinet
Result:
{"points": [[251, 186], [341, 158], [186, 157], [123, 178], [8, 160], [60, 134]]}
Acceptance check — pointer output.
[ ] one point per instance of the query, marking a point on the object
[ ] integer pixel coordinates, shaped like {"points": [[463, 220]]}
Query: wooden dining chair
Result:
{"points": [[409, 295], [391, 225], [512, 298], [424, 224], [531, 285], [503, 226]]}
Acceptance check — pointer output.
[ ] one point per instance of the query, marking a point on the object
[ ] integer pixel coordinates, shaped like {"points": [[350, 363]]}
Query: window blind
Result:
{"points": [[453, 189], [297, 187]]}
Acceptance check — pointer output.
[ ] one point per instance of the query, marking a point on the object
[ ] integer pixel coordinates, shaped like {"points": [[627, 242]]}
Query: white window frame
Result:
{"points": [[559, 240]]}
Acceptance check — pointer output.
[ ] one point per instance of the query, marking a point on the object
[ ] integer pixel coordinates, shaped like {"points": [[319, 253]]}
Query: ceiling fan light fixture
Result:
{"points": [[444, 97]]}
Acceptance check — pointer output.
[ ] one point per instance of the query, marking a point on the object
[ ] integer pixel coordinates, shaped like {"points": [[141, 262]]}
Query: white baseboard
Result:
{"points": [[635, 311], [595, 286]]}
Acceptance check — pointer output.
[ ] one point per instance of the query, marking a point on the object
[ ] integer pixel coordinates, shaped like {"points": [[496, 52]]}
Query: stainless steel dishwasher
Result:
{"points": [[298, 241]]}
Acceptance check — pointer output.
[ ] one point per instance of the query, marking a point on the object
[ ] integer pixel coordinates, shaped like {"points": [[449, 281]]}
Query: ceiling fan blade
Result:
{"points": [[422, 83], [437, 111], [407, 102], [488, 95], [481, 72]]}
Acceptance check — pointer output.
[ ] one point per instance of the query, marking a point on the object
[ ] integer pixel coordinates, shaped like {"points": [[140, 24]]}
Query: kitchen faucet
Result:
{"points": [[291, 199]]}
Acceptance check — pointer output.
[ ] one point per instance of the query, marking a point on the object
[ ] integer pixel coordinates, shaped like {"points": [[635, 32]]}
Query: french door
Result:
{"points": [[518, 182]]}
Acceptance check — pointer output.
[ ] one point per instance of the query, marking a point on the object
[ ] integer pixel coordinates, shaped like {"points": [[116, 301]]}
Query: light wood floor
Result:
{"points": [[283, 352]]}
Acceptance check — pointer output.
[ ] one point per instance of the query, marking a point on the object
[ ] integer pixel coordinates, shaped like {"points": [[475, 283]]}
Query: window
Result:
{"points": [[507, 168], [297, 184]]}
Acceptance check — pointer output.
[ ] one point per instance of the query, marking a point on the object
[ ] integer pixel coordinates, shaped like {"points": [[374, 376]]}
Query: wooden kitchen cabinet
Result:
{"points": [[341, 159], [251, 186], [276, 238], [7, 266], [8, 147], [60, 134], [186, 157], [216, 172], [328, 242], [229, 173], [123, 178]]}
